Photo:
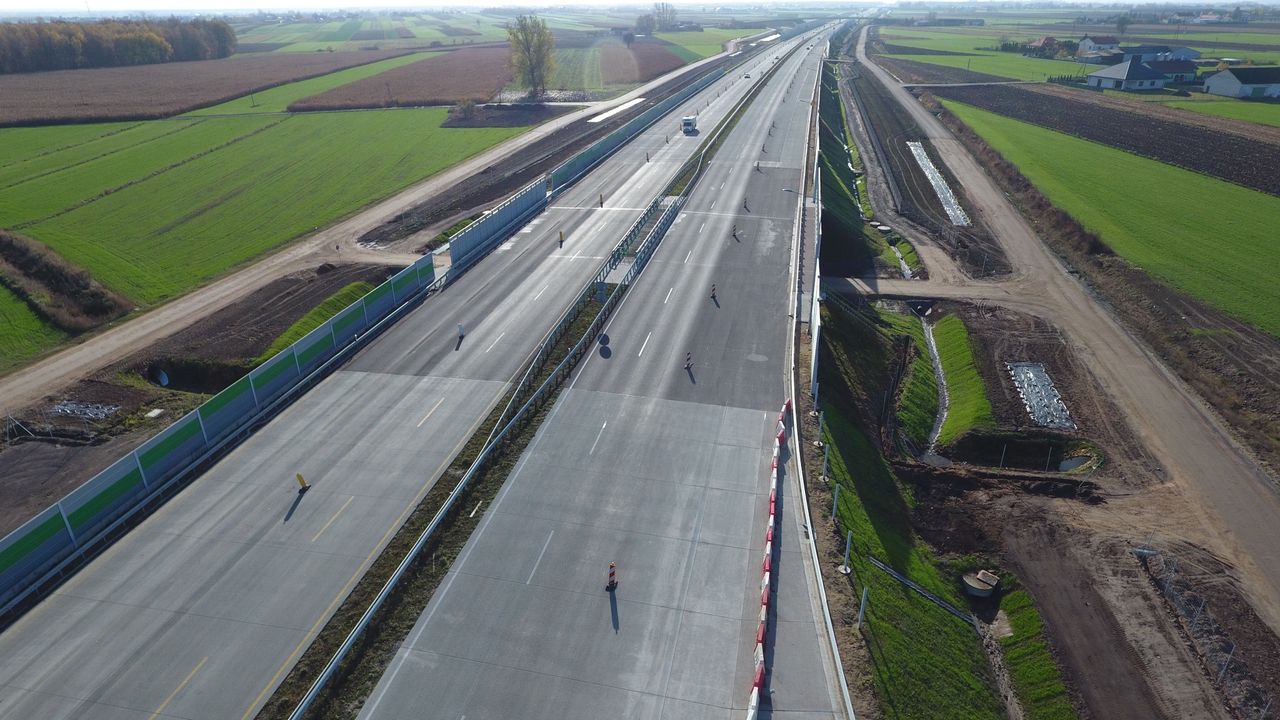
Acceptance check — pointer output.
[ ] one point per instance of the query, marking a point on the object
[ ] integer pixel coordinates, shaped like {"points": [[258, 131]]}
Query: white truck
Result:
{"points": [[689, 124]]}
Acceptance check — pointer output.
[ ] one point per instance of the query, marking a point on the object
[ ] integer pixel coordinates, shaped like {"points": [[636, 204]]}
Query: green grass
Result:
{"points": [[918, 399], [703, 44], [84, 173], [577, 69], [1007, 65], [162, 236], [968, 406], [926, 663], [23, 334], [1210, 238], [1256, 112], [331, 306], [1036, 678], [277, 99]]}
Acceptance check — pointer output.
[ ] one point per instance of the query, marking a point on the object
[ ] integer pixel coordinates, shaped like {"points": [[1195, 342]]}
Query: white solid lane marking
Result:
{"points": [[544, 289], [713, 204], [597, 442], [686, 257], [495, 341], [433, 409], [702, 227], [335, 517], [668, 297], [644, 344], [539, 560]]}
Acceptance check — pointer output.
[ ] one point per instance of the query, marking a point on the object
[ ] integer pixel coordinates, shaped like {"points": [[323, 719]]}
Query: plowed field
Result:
{"points": [[1234, 158], [469, 74], [642, 62], [155, 91]]}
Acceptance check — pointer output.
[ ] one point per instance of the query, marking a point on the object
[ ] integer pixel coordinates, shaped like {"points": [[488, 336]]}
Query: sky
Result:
{"points": [[165, 7]]}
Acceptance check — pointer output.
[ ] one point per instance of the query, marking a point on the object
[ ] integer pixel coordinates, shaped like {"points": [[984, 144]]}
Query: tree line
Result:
{"points": [[33, 47]]}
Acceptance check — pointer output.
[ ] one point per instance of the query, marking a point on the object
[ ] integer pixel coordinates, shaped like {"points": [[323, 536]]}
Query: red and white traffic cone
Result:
{"points": [[613, 577]]}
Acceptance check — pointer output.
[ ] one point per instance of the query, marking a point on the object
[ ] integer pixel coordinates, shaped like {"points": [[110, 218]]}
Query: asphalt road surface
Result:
{"points": [[661, 469], [205, 606]]}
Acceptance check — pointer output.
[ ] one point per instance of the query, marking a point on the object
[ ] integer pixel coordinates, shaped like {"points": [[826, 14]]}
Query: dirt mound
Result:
{"points": [[61, 293]]}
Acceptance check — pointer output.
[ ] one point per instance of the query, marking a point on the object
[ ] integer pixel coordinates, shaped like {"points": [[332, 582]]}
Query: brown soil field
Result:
{"points": [[469, 74], [1234, 158], [913, 72], [642, 62], [153, 91], [243, 48], [68, 451], [454, 31], [158, 91]]}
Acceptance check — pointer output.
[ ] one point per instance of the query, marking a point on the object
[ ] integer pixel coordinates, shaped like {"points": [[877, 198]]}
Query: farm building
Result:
{"points": [[1144, 53], [1048, 42], [1129, 75], [1175, 71], [1245, 82], [1100, 42], [1181, 53]]}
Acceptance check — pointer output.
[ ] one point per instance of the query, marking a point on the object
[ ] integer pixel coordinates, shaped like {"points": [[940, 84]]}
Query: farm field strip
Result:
{"points": [[277, 99], [1153, 214], [59, 190], [704, 44], [576, 69], [1266, 114], [128, 137], [26, 144], [1247, 161], [470, 73], [170, 233]]}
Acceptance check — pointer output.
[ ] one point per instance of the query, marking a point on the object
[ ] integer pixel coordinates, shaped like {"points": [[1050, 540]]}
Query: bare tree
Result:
{"points": [[645, 24], [664, 14], [1122, 24], [532, 52]]}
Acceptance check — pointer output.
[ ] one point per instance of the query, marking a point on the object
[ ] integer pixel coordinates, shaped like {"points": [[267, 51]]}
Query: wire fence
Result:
{"points": [[1245, 694]]}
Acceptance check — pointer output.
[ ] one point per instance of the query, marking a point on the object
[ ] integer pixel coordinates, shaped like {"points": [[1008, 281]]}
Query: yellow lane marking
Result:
{"points": [[346, 588], [178, 689], [424, 417], [335, 517]]}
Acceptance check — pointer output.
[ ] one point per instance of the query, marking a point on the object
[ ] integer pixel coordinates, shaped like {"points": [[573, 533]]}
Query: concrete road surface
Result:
{"points": [[664, 471], [201, 610]]}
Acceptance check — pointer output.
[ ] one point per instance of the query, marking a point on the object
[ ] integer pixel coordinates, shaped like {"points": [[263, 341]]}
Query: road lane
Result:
{"points": [[661, 470], [236, 567]]}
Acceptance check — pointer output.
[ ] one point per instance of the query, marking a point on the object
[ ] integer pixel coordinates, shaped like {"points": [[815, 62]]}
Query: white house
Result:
{"points": [[1128, 75], [1094, 44], [1245, 82]]}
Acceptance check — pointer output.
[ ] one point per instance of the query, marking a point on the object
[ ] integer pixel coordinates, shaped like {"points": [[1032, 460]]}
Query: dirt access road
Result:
{"points": [[336, 244], [1232, 504]]}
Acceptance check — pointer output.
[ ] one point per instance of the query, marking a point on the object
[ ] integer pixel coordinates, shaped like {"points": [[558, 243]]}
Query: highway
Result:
{"points": [[202, 609], [661, 469]]}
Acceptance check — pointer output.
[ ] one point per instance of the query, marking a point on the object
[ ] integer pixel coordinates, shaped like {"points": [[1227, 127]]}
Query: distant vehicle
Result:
{"points": [[747, 76], [689, 124]]}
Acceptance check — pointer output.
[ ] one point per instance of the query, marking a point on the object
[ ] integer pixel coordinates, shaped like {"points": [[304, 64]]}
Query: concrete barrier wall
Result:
{"points": [[484, 234], [82, 519]]}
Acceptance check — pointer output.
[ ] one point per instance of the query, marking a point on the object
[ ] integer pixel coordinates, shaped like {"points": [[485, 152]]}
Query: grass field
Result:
{"points": [[331, 306], [277, 99], [173, 230], [968, 406], [576, 69], [1265, 113], [926, 663], [1209, 238], [23, 334], [1036, 678], [704, 44]]}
